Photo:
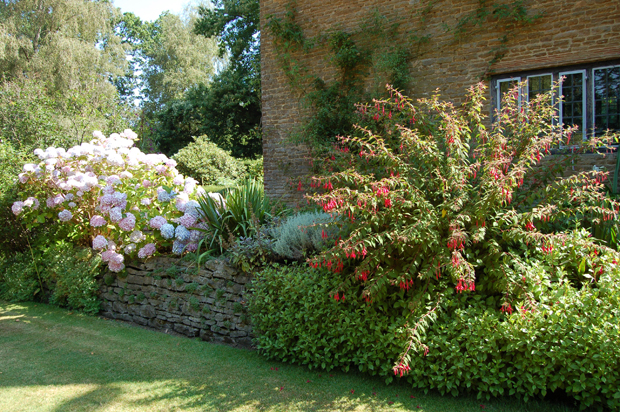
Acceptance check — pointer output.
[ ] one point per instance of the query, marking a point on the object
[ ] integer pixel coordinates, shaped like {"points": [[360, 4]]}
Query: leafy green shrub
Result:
{"points": [[252, 253], [206, 162], [242, 213], [59, 273], [436, 200], [565, 342], [568, 344], [254, 168], [297, 321], [446, 220], [305, 234]]}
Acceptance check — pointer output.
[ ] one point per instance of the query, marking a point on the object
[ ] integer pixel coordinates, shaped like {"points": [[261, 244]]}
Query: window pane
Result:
{"points": [[538, 84], [503, 87], [572, 105], [607, 99]]}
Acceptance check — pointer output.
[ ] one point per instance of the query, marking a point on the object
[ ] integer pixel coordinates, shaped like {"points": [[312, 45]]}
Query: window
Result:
{"points": [[503, 86], [606, 96], [591, 94]]}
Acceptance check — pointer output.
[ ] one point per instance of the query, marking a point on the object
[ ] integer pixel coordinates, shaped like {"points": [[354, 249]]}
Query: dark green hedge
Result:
{"points": [[570, 343]]}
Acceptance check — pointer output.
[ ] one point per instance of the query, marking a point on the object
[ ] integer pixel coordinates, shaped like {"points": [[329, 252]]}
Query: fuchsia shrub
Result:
{"points": [[437, 200], [113, 197]]}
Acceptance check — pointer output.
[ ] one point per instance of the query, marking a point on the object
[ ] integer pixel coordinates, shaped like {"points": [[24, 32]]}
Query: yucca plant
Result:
{"points": [[245, 209]]}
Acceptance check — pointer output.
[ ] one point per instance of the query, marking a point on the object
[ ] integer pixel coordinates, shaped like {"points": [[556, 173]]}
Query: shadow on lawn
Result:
{"points": [[137, 369]]}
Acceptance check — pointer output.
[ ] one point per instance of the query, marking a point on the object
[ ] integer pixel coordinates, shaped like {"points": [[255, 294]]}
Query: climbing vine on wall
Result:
{"points": [[377, 53], [509, 16]]}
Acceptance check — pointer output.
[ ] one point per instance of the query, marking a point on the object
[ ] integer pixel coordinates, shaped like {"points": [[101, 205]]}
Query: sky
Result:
{"points": [[149, 10]]}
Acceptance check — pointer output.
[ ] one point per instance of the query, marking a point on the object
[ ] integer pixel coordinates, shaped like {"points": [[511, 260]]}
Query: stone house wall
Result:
{"points": [[569, 32], [169, 294]]}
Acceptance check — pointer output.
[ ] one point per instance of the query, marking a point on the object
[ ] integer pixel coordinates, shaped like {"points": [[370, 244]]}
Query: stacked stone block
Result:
{"points": [[173, 295]]}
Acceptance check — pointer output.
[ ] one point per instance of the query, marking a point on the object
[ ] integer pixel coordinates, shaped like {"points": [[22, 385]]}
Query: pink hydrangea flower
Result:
{"points": [[128, 223], [116, 267], [178, 180], [187, 220], [116, 214], [116, 258], [97, 221], [65, 216], [157, 222], [99, 242], [32, 202], [17, 207], [147, 250], [105, 256]]}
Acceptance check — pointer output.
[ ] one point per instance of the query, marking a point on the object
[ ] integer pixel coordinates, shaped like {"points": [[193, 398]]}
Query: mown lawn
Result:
{"points": [[55, 360]]}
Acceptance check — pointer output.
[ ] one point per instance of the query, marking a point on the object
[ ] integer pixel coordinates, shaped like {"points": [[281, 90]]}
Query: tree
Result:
{"points": [[228, 109], [166, 57], [67, 51]]}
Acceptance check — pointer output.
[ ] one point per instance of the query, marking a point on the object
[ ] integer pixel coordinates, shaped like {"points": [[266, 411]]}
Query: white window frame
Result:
{"points": [[527, 94], [594, 91], [499, 91], [584, 108]]}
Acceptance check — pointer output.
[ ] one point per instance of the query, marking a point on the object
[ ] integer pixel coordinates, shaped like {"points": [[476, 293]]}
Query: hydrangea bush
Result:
{"points": [[112, 197]]}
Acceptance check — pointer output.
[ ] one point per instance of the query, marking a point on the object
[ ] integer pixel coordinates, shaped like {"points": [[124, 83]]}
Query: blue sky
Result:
{"points": [[149, 10]]}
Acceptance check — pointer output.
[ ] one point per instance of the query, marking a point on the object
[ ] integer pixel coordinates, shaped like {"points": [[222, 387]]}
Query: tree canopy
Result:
{"points": [[228, 109]]}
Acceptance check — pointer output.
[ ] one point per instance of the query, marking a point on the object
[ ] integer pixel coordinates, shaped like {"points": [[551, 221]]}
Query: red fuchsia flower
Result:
{"points": [[299, 186], [426, 350], [364, 253], [328, 185], [401, 369], [530, 226], [364, 276], [506, 308], [388, 203], [337, 297], [323, 234], [382, 191], [454, 244], [547, 249], [406, 284], [352, 391], [332, 204], [460, 286], [455, 260]]}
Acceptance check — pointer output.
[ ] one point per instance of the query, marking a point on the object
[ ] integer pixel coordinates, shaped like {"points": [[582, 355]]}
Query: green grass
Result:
{"points": [[55, 360]]}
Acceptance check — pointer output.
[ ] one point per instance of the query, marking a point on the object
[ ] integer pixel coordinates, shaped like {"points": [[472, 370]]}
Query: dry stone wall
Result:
{"points": [[173, 295]]}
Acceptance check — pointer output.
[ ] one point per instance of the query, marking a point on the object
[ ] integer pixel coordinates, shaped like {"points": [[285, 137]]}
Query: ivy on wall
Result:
{"points": [[365, 60], [377, 53]]}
